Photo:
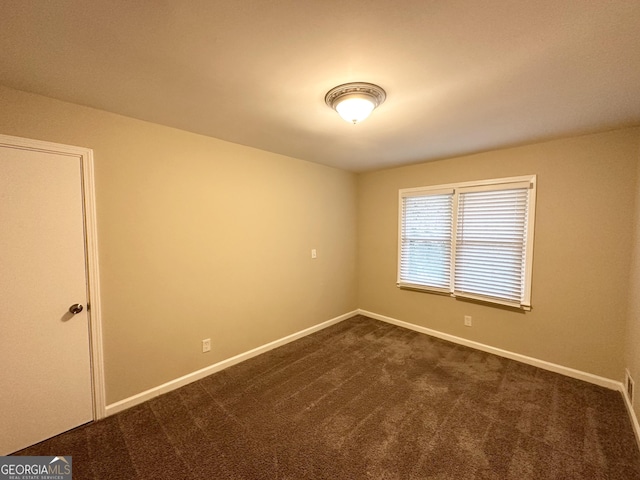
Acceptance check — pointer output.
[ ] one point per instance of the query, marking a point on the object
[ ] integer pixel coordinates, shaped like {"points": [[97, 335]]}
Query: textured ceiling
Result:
{"points": [[460, 76]]}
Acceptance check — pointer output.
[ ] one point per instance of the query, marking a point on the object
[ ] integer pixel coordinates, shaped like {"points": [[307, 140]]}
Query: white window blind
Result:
{"points": [[426, 240], [470, 240], [491, 242]]}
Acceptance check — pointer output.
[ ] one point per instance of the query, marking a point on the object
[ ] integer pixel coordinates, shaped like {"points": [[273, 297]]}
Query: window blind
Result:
{"points": [[491, 242], [426, 234], [472, 239]]}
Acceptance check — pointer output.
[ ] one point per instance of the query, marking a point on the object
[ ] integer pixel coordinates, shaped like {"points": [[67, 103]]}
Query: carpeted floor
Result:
{"points": [[364, 399]]}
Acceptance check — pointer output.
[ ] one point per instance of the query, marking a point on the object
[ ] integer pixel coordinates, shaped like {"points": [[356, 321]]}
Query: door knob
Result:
{"points": [[75, 308]]}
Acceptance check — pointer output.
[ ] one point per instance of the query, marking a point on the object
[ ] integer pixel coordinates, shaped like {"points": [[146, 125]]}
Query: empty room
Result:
{"points": [[319, 240]]}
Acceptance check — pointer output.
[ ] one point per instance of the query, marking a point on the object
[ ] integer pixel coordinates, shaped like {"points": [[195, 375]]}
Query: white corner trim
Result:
{"points": [[216, 367], [553, 367], [632, 414], [93, 272]]}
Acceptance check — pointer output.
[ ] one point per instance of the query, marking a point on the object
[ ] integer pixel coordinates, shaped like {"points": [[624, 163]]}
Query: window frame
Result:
{"points": [[488, 184]]}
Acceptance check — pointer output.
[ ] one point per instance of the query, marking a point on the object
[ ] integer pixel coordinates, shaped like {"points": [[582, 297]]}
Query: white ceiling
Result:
{"points": [[460, 76]]}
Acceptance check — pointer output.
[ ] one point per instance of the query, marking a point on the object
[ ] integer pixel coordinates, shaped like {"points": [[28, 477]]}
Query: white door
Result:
{"points": [[45, 367]]}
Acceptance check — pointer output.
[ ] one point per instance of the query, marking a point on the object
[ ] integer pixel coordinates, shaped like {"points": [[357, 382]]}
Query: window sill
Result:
{"points": [[464, 296]]}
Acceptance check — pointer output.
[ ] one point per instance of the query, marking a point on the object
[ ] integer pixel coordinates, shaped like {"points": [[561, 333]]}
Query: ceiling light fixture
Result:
{"points": [[355, 101]]}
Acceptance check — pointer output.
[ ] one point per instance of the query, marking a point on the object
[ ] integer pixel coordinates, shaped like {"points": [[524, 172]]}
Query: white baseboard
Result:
{"points": [[632, 413], [553, 367], [216, 367], [197, 375]]}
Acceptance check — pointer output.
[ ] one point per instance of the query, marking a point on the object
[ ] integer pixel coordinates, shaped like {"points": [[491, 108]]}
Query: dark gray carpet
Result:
{"points": [[364, 399]]}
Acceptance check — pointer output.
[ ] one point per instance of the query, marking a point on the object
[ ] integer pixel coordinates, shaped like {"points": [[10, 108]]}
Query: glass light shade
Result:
{"points": [[355, 101], [355, 108]]}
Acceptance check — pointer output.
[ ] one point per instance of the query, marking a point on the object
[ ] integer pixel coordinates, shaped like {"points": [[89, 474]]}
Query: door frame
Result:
{"points": [[85, 155]]}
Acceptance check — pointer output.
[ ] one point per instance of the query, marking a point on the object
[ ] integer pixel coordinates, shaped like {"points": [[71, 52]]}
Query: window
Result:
{"points": [[472, 240]]}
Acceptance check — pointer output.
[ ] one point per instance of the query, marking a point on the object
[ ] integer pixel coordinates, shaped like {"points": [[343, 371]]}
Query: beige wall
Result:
{"points": [[200, 238], [632, 350], [582, 248], [204, 238]]}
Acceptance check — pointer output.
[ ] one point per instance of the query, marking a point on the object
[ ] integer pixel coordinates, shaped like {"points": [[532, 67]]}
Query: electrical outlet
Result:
{"points": [[206, 345], [467, 321], [314, 253]]}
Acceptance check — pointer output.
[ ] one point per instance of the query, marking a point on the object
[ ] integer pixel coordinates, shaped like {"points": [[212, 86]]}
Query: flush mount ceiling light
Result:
{"points": [[355, 101]]}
